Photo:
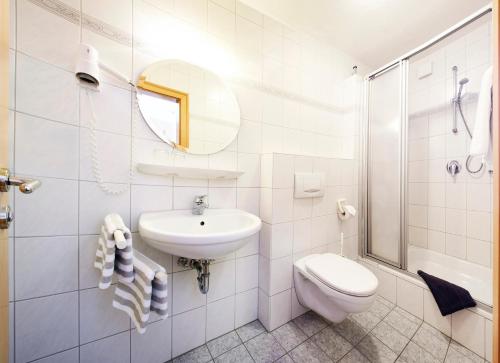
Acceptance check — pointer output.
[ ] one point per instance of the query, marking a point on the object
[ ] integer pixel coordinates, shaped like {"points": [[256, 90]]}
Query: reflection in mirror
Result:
{"points": [[188, 107], [162, 114]]}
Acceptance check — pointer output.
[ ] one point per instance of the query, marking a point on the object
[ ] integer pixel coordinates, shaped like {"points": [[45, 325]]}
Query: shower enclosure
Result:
{"points": [[425, 203]]}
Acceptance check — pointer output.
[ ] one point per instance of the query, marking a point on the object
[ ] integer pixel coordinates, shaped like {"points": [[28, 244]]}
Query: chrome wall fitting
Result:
{"points": [[457, 110], [201, 267], [453, 167], [6, 216], [200, 203], [26, 186]]}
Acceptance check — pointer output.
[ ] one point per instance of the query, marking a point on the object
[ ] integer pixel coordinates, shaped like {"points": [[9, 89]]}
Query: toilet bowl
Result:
{"points": [[333, 286]]}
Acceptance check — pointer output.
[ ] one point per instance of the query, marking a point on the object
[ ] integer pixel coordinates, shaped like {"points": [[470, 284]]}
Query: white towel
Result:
{"points": [[113, 256], [481, 138], [147, 293]]}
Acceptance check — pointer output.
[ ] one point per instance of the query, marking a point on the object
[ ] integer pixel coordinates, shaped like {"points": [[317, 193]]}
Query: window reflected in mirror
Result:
{"points": [[188, 107]]}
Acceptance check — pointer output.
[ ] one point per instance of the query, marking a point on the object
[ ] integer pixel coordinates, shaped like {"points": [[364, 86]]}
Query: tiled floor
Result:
{"points": [[384, 333]]}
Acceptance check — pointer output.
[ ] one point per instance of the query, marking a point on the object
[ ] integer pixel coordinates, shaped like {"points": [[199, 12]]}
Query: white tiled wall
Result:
{"points": [[448, 215], [293, 228], [471, 327], [290, 90]]}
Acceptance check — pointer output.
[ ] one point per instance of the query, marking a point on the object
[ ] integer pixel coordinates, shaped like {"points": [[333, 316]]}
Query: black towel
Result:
{"points": [[449, 297]]}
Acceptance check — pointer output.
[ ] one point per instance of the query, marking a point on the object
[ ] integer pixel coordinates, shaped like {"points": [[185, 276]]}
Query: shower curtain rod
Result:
{"points": [[471, 18]]}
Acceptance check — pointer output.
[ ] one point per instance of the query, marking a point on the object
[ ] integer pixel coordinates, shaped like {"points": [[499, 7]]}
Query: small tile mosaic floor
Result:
{"points": [[384, 333]]}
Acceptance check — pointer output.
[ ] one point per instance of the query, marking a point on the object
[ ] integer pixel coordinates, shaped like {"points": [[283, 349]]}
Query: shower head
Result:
{"points": [[463, 81], [87, 65]]}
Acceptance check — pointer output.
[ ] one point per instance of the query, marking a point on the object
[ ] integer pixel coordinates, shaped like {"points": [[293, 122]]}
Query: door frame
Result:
{"points": [[4, 160], [496, 181], [365, 186]]}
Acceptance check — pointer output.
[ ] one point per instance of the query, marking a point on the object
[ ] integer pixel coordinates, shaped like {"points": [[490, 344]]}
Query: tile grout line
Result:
{"points": [[78, 346], [355, 346], [308, 338], [261, 333], [416, 343], [410, 340], [54, 354], [448, 349], [413, 335], [369, 332], [352, 345], [209, 352], [246, 349]]}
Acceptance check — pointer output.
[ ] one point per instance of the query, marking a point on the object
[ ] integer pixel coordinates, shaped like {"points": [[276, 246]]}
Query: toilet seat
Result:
{"points": [[341, 274]]}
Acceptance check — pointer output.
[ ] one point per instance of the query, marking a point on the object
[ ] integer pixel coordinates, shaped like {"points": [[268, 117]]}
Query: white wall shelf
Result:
{"points": [[187, 172]]}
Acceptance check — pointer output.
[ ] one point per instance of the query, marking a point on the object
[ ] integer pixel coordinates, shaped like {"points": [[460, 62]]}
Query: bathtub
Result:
{"points": [[475, 278], [470, 327]]}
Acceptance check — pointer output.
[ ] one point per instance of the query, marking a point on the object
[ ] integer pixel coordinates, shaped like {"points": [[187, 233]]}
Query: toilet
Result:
{"points": [[333, 286]]}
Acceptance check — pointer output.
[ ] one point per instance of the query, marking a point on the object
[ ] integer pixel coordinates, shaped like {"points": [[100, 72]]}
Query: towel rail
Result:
{"points": [[26, 186], [119, 239]]}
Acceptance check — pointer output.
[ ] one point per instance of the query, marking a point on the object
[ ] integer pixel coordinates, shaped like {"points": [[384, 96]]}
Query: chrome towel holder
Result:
{"points": [[26, 186]]}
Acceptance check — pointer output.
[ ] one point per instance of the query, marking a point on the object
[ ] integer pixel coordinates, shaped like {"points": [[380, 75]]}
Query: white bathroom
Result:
{"points": [[249, 181]]}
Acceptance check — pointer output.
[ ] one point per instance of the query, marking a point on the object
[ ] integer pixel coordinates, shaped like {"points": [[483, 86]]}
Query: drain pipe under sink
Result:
{"points": [[201, 267]]}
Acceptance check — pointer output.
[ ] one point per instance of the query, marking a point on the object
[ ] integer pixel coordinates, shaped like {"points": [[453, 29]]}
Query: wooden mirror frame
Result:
{"points": [[181, 98]]}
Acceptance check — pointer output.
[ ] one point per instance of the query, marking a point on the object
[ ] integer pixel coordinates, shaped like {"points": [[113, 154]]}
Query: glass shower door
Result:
{"points": [[384, 169]]}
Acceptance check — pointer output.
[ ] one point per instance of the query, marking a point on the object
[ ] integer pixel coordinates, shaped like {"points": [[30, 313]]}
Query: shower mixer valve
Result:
{"points": [[453, 167]]}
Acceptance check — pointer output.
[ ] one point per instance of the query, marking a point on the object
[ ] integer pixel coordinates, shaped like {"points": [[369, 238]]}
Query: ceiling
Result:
{"points": [[372, 31]]}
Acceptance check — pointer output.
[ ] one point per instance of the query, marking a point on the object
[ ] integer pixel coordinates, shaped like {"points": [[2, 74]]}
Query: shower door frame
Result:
{"points": [[364, 225], [402, 61]]}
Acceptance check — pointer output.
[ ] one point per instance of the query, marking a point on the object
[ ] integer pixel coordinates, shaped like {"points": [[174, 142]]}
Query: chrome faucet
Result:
{"points": [[200, 203]]}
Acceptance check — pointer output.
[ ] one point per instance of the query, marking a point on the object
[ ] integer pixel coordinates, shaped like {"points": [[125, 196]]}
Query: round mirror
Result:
{"points": [[188, 107]]}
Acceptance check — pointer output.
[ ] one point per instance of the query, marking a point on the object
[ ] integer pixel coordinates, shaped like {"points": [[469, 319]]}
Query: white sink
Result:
{"points": [[216, 233]]}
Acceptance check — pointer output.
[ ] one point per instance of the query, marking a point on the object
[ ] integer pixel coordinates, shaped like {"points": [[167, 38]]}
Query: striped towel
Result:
{"points": [[148, 292], [114, 255]]}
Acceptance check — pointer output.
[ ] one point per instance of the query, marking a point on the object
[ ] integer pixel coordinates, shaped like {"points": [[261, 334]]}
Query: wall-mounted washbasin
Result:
{"points": [[216, 233]]}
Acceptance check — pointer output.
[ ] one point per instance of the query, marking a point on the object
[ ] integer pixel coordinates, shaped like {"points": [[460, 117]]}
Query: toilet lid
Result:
{"points": [[342, 274]]}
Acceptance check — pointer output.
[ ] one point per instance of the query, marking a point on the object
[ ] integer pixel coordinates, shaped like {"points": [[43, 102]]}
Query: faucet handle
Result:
{"points": [[201, 200], [453, 167]]}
